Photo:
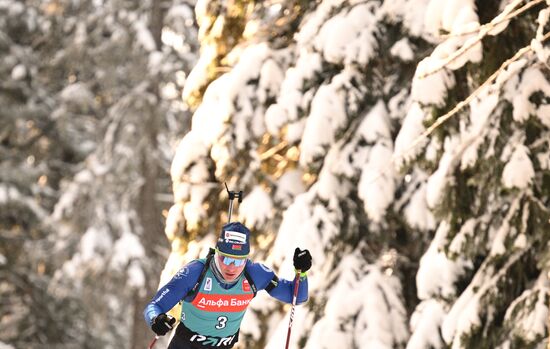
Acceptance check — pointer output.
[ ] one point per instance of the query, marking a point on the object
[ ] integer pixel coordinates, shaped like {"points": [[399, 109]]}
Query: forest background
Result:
{"points": [[406, 143]]}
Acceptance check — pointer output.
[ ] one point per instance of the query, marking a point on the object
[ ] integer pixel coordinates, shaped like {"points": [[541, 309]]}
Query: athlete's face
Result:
{"points": [[230, 267]]}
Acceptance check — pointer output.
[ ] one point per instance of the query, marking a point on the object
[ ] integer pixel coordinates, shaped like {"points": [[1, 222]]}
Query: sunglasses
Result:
{"points": [[228, 260]]}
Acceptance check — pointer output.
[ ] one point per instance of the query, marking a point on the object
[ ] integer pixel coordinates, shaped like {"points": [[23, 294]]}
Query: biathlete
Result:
{"points": [[215, 292]]}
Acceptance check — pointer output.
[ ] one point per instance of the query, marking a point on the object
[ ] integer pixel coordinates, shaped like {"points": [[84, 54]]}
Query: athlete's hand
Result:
{"points": [[162, 323], [302, 260]]}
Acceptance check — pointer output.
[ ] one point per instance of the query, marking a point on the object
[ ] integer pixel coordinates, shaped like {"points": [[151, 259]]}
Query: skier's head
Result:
{"points": [[232, 249], [234, 240]]}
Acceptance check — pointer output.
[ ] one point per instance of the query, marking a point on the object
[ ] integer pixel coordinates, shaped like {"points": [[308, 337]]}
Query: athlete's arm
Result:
{"points": [[170, 294], [265, 279]]}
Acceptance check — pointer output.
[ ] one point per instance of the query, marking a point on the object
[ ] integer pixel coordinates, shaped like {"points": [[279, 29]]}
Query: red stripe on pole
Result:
{"points": [[296, 285], [153, 342]]}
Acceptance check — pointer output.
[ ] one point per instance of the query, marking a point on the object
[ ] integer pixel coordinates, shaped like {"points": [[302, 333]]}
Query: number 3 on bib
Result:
{"points": [[221, 322]]}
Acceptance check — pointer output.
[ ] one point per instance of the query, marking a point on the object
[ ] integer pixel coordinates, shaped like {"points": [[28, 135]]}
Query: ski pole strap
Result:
{"points": [[302, 274], [272, 284], [209, 257], [250, 281]]}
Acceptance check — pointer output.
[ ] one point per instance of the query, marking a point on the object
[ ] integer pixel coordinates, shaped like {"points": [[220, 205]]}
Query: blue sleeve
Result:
{"points": [[284, 289], [170, 294]]}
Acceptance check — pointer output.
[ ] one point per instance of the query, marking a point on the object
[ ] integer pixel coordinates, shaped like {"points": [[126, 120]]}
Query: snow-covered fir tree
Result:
{"points": [[405, 143]]}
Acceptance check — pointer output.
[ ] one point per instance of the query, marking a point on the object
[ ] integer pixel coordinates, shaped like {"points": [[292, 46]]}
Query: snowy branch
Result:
{"points": [[467, 101], [501, 18], [481, 33]]}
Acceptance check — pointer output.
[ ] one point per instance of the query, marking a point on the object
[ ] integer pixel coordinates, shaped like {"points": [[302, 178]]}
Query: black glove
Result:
{"points": [[302, 260], [162, 323]]}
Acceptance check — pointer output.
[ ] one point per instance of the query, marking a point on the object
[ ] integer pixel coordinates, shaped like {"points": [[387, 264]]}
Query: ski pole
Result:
{"points": [[232, 196], [153, 342], [294, 296]]}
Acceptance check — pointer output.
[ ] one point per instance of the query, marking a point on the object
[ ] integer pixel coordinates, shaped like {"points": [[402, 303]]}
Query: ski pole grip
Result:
{"points": [[240, 196]]}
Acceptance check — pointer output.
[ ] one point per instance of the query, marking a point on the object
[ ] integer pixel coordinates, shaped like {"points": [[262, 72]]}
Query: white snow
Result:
{"points": [[402, 49], [467, 231], [136, 276], [437, 273], [431, 89], [326, 116], [542, 52], [377, 184], [217, 112], [174, 40], [382, 320], [189, 150], [505, 230], [292, 95], [532, 80], [78, 94], [301, 227], [411, 13], [417, 213], [289, 186], [348, 38], [425, 325], [274, 117], [94, 241], [412, 128], [481, 109], [315, 20], [327, 333], [518, 172], [10, 194], [18, 72], [199, 74], [450, 16], [256, 208], [125, 249], [143, 35], [529, 312], [328, 183], [271, 78], [376, 125], [440, 178]]}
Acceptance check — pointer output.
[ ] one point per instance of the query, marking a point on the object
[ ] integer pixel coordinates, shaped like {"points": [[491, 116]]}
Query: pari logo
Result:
{"points": [[234, 237], [211, 341]]}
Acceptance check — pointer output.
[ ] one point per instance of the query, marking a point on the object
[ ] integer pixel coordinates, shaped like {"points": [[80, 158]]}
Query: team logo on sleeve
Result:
{"points": [[208, 284], [181, 273]]}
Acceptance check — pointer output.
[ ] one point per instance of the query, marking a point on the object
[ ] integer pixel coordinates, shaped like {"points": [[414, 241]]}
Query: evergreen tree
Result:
{"points": [[90, 115], [358, 131]]}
